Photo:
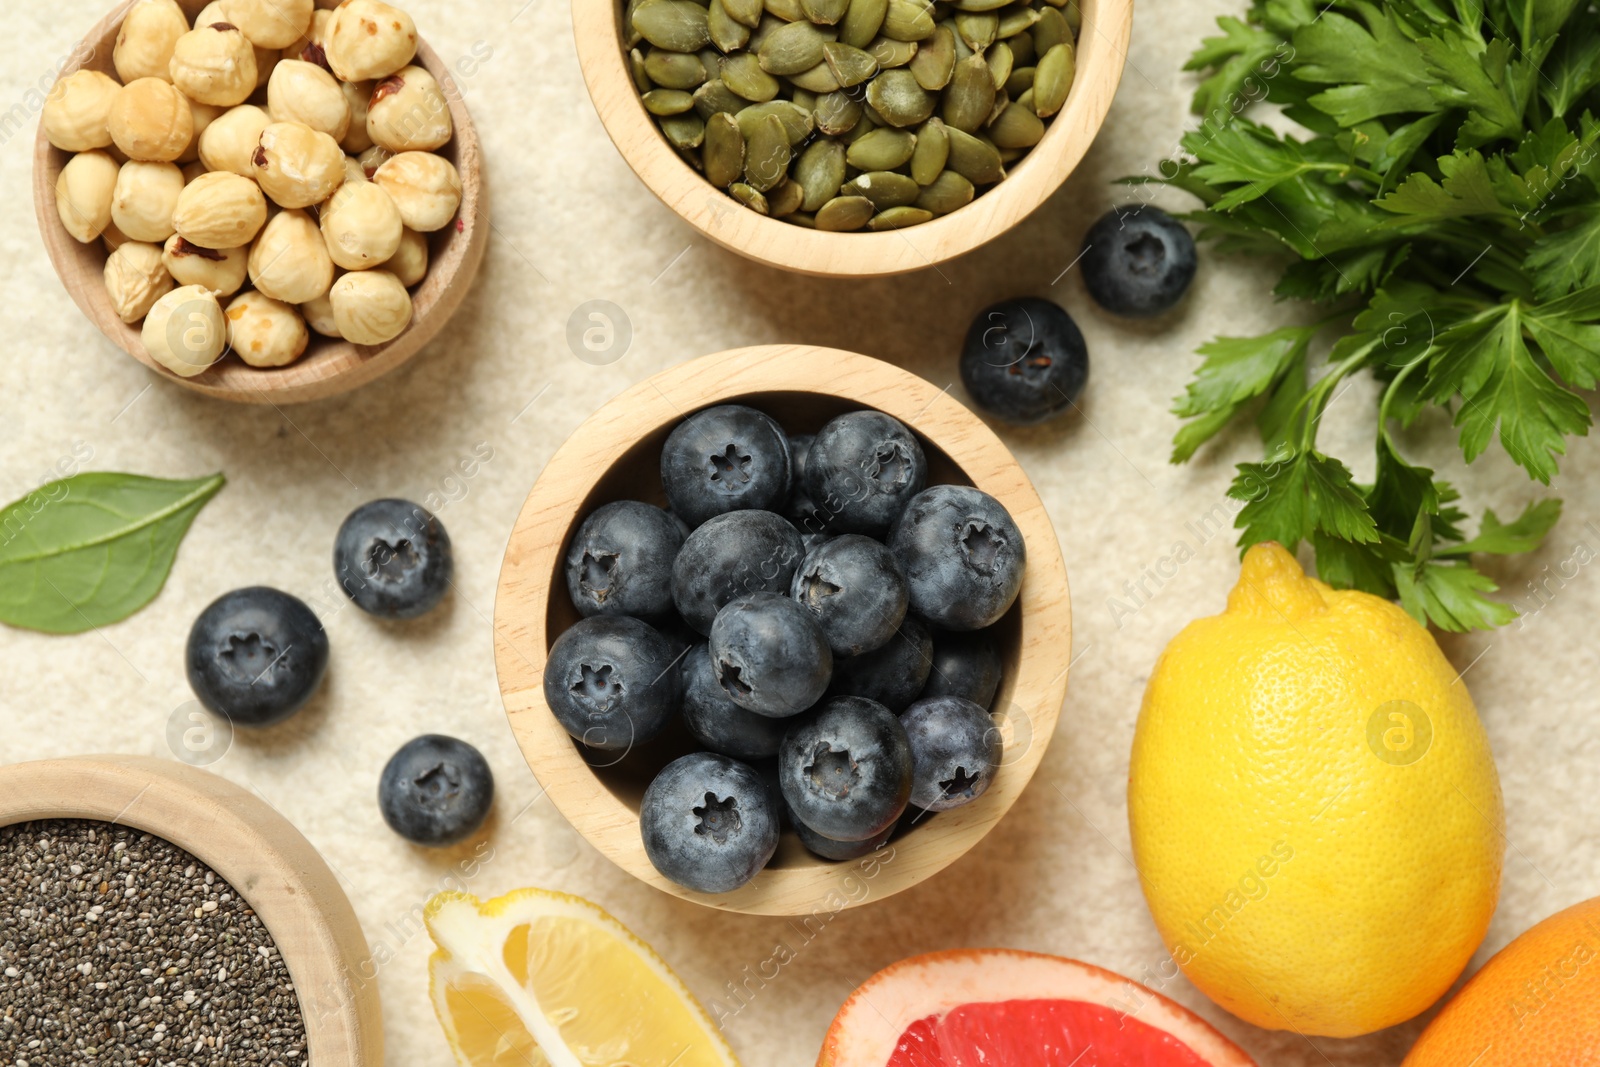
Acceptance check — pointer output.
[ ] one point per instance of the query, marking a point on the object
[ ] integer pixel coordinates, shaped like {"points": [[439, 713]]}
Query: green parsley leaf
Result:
{"points": [[1376, 69], [1525, 534], [1567, 259], [1450, 595], [1288, 499]]}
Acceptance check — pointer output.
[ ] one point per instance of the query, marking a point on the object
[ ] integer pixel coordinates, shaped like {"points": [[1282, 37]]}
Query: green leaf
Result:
{"points": [[1573, 349], [1466, 190], [1346, 565], [92, 549], [1376, 69], [1288, 499], [1240, 60], [1568, 259], [1525, 534], [1574, 66], [1450, 595], [1237, 368], [1191, 435], [1481, 80]]}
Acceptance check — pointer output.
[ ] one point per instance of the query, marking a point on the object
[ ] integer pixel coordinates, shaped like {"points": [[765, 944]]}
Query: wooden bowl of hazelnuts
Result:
{"points": [[266, 201]]}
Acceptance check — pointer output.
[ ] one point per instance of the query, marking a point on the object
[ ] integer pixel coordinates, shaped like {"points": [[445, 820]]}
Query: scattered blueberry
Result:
{"points": [[611, 681], [829, 849], [717, 722], [862, 469], [853, 588], [729, 458], [436, 790], [1138, 261], [731, 555], [769, 655], [800, 508], [620, 561], [1024, 361], [845, 769], [965, 665], [708, 823], [891, 675], [256, 655], [962, 556], [392, 557], [955, 751]]}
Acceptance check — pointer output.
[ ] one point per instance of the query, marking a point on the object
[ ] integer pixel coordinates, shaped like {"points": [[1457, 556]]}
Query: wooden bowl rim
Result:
{"points": [[329, 366], [1035, 691], [1107, 26], [255, 850]]}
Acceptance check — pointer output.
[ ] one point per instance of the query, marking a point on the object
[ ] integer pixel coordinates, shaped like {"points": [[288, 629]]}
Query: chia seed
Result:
{"points": [[117, 947]]}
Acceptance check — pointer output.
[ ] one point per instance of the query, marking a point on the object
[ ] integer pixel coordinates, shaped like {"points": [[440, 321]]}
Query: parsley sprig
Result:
{"points": [[1441, 201]]}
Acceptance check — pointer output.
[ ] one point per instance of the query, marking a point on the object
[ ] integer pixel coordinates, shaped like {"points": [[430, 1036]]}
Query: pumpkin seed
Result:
{"points": [[806, 100], [801, 218], [749, 197], [935, 59], [1072, 12], [897, 97], [946, 193], [744, 12], [667, 101], [844, 213], [1017, 127], [675, 70], [837, 113], [1021, 81], [862, 22], [1050, 30], [827, 12], [820, 172], [1052, 80], [884, 188], [1009, 156], [631, 37], [885, 149], [1026, 100], [980, 5], [1022, 50], [684, 131], [891, 54], [787, 10], [897, 218], [974, 158], [791, 49], [714, 97], [638, 72], [863, 126], [978, 30], [1001, 102], [723, 155], [797, 121], [969, 98], [932, 152], [819, 79], [999, 58], [727, 33], [1015, 20], [963, 50], [759, 35], [676, 25], [908, 20], [743, 74], [851, 66]]}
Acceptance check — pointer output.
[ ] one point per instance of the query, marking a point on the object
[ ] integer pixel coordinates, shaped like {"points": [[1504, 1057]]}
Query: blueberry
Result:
{"points": [[955, 751], [800, 508], [853, 588], [436, 790], [769, 655], [965, 665], [708, 823], [729, 458], [829, 849], [1138, 261], [862, 470], [392, 557], [256, 655], [717, 722], [731, 555], [620, 561], [845, 769], [1024, 361], [612, 682], [962, 556], [892, 675]]}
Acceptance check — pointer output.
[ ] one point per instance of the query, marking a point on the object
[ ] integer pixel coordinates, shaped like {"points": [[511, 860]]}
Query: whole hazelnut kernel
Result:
{"points": [[136, 279], [113, 238], [358, 95], [75, 113], [146, 38], [214, 12], [296, 165], [222, 270], [353, 171], [305, 93], [145, 198], [203, 115], [410, 261], [229, 142], [290, 260], [150, 120], [370, 307], [220, 210], [319, 316], [85, 189], [185, 331], [361, 225], [191, 171], [215, 65], [271, 23], [369, 39], [408, 113], [265, 332], [316, 35], [373, 158], [425, 187]]}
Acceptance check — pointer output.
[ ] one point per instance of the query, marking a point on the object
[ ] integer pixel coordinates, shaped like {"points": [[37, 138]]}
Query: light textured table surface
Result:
{"points": [[571, 225]]}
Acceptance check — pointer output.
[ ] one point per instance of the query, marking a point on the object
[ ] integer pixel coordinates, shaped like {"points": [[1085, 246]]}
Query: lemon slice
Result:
{"points": [[541, 979]]}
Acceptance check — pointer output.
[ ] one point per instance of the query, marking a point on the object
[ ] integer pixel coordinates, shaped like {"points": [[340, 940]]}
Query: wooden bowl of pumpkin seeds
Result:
{"points": [[852, 138]]}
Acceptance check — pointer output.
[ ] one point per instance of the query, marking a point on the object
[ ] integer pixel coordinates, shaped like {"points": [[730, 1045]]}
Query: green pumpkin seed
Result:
{"points": [[819, 79], [884, 188], [908, 20], [797, 121], [932, 152], [1017, 127], [999, 58], [785, 199], [825, 12], [791, 49], [1015, 20], [980, 5], [974, 158], [978, 30], [675, 70], [935, 59], [850, 66], [744, 12], [948, 192], [1050, 30], [844, 213], [723, 155], [684, 131], [862, 22], [750, 198], [727, 33], [1052, 80], [863, 126], [714, 97], [667, 101], [1026, 100], [1021, 81], [801, 218], [969, 98], [836, 113], [638, 71], [630, 36], [820, 172], [759, 35], [787, 10], [743, 74], [1001, 102], [898, 218], [1022, 50], [1073, 13], [963, 50], [892, 54], [1009, 156], [885, 149], [676, 25], [897, 97]]}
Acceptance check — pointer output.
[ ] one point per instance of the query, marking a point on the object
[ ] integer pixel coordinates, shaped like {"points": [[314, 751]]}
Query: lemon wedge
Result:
{"points": [[542, 979]]}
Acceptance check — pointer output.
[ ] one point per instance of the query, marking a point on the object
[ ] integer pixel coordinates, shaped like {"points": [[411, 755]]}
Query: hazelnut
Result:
{"points": [[84, 192], [290, 260], [305, 93], [265, 332], [185, 331], [229, 142], [150, 120], [319, 316], [220, 210], [136, 279], [373, 158], [361, 225], [271, 23], [410, 261], [296, 165], [145, 198], [358, 95], [146, 38], [203, 115], [222, 270], [113, 238], [316, 35], [77, 108], [408, 113], [425, 187], [212, 13], [353, 171], [215, 65], [370, 307], [369, 39], [191, 171]]}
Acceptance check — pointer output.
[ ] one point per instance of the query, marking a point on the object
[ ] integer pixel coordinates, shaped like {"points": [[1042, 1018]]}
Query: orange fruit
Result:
{"points": [[1535, 1004]]}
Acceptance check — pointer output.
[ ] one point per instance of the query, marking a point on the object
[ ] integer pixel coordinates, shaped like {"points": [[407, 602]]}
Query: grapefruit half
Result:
{"points": [[1004, 1008]]}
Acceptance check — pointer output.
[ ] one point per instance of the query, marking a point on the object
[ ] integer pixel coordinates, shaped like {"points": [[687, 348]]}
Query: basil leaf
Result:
{"points": [[92, 549]]}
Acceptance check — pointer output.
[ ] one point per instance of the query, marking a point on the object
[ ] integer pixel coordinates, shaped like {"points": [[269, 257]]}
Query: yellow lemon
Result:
{"points": [[541, 979], [1315, 812]]}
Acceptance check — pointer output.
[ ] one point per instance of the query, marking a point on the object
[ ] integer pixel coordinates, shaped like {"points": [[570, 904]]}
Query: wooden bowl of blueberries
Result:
{"points": [[777, 646]]}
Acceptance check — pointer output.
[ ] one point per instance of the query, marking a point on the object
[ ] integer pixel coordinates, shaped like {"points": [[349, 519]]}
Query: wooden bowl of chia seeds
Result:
{"points": [[1101, 52], [154, 912]]}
